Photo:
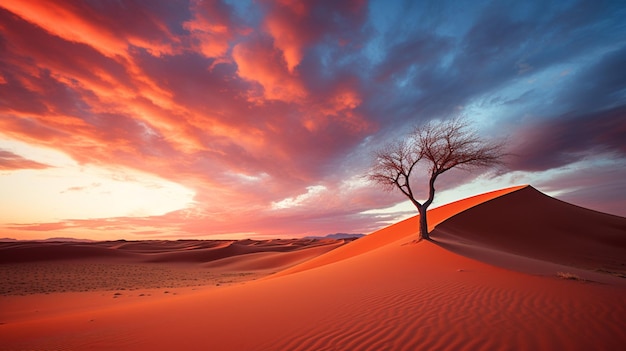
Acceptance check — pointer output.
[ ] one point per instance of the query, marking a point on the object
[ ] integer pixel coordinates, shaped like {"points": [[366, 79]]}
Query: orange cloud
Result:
{"points": [[296, 24], [76, 22], [62, 21], [210, 27], [66, 21], [339, 104], [259, 62], [287, 22], [286, 40], [105, 86]]}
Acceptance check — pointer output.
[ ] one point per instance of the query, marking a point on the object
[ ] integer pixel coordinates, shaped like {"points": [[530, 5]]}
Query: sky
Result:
{"points": [[212, 119]]}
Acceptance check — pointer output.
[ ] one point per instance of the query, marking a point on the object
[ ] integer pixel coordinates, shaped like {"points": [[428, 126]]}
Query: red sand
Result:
{"points": [[381, 292], [50, 267]]}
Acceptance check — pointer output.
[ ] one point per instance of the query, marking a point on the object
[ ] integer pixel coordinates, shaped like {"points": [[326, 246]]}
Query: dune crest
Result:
{"points": [[404, 231]]}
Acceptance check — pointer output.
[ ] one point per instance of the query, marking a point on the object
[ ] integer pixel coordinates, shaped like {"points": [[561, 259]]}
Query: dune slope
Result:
{"points": [[532, 225], [397, 233], [383, 292]]}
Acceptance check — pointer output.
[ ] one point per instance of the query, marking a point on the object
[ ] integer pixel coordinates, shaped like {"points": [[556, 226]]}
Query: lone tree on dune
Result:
{"points": [[442, 145]]}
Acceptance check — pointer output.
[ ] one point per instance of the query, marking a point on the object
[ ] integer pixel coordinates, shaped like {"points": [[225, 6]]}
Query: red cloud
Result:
{"points": [[11, 161], [109, 29], [258, 61], [211, 27], [296, 24]]}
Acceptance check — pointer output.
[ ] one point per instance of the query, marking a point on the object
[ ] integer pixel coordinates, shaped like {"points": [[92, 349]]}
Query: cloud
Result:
{"points": [[566, 139], [109, 29], [81, 188], [295, 26], [419, 53], [212, 27], [259, 62], [602, 84], [11, 161], [44, 227]]}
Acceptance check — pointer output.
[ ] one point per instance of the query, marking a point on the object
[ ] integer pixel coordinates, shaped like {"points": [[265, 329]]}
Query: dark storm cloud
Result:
{"points": [[431, 74], [570, 138], [595, 105], [601, 85]]}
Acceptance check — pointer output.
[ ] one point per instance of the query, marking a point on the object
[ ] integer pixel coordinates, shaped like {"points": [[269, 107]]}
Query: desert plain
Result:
{"points": [[512, 269]]}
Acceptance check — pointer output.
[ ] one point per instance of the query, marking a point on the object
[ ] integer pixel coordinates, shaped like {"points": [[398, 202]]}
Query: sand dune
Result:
{"points": [[397, 233], [537, 229], [381, 292], [182, 251], [20, 252], [49, 267], [264, 260]]}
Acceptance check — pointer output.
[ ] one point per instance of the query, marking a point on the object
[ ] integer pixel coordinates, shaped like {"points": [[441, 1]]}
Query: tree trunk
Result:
{"points": [[423, 223]]}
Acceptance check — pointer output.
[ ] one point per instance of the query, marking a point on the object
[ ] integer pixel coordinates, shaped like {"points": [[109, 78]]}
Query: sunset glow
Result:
{"points": [[232, 119]]}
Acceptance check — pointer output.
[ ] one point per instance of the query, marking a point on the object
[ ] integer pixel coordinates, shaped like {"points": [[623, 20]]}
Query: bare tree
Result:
{"points": [[442, 145]]}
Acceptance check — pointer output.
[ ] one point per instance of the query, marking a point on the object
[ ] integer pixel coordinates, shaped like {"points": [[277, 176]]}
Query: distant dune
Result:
{"points": [[512, 269], [65, 266], [338, 236], [182, 251], [59, 239]]}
